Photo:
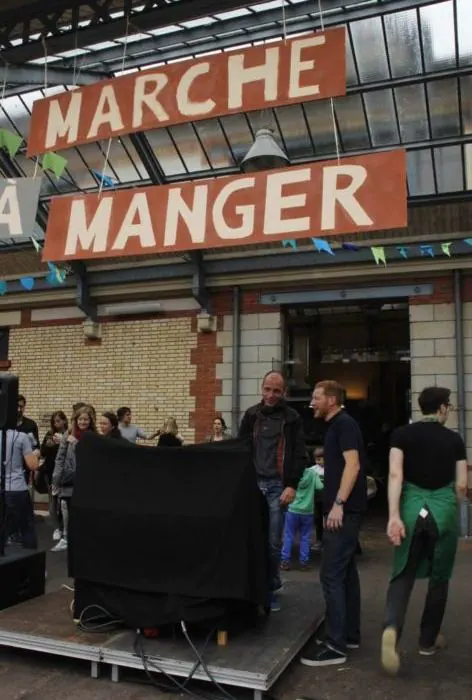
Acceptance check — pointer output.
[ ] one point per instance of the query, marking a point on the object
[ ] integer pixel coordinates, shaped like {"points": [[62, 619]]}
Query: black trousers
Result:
{"points": [[422, 546], [20, 518]]}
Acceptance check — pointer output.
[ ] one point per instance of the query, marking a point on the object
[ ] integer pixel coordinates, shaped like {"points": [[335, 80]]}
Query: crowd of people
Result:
{"points": [[427, 481]]}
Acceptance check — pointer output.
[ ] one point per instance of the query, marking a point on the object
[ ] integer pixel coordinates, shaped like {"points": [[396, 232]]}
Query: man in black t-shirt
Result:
{"points": [[345, 500], [427, 481]]}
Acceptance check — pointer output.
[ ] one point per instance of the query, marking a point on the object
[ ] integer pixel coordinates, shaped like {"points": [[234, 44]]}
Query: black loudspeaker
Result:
{"points": [[22, 576], [8, 401]]}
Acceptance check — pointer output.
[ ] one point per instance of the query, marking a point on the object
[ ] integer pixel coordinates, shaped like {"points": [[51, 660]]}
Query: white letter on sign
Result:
{"points": [[194, 217], [149, 99], [238, 76], [59, 125], [142, 227], [186, 106], [276, 202], [10, 211], [244, 212], [297, 66], [93, 236], [107, 112], [345, 197]]}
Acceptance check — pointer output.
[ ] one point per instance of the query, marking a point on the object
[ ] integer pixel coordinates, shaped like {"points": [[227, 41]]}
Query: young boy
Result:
{"points": [[318, 456], [299, 518]]}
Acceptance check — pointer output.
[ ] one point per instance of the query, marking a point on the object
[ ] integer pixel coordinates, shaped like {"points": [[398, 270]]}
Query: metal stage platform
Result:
{"points": [[253, 660]]}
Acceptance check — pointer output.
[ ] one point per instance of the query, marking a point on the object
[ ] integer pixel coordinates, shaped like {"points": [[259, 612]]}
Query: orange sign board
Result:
{"points": [[362, 193], [309, 67]]}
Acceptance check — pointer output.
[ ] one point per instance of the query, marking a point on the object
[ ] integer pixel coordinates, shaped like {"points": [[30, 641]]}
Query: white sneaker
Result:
{"points": [[57, 535], [61, 546]]}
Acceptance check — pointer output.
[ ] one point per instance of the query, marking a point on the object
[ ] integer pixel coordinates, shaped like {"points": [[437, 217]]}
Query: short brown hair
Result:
{"points": [[332, 388]]}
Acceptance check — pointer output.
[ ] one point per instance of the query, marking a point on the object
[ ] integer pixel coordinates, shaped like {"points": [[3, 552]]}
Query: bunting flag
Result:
{"points": [[350, 246], [3, 287], [103, 179], [27, 283], [446, 248], [427, 250], [10, 142], [379, 254], [468, 241], [36, 244], [56, 275], [54, 163], [322, 246], [403, 250], [289, 243]]}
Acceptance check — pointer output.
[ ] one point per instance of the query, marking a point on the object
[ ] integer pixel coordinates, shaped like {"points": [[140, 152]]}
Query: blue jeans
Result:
{"points": [[340, 582], [272, 489], [20, 518], [303, 525]]}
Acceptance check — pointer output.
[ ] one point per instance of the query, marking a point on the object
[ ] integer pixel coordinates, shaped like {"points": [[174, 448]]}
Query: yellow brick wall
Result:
{"points": [[141, 364]]}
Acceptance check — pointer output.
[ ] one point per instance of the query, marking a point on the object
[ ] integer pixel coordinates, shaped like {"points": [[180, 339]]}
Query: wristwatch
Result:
{"points": [[339, 502]]}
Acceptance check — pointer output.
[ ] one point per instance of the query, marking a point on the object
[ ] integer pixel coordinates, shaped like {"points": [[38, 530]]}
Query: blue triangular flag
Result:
{"points": [[289, 243], [351, 246], [322, 246], [105, 180], [427, 250], [27, 283], [468, 241], [403, 250], [3, 287]]}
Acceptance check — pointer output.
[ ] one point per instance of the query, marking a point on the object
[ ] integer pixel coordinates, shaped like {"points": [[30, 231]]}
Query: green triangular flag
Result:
{"points": [[36, 244], [379, 254], [56, 164], [10, 141], [446, 248]]}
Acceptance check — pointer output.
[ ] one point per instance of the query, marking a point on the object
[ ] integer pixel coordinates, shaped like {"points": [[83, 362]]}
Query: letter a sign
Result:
{"points": [[18, 205]]}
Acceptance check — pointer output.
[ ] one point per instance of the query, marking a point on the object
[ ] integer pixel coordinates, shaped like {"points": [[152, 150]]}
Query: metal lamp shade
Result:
{"points": [[264, 154]]}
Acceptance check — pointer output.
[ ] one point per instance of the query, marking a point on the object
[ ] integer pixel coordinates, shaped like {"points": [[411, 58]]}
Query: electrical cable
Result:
{"points": [[199, 656]]}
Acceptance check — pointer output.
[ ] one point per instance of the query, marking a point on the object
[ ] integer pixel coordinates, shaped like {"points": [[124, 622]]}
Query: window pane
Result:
{"points": [[437, 30], [403, 43], [381, 117], [351, 121], [369, 48], [411, 105], [443, 108], [420, 172], [464, 23], [321, 126], [214, 143], [294, 131], [449, 175], [165, 152], [466, 100]]}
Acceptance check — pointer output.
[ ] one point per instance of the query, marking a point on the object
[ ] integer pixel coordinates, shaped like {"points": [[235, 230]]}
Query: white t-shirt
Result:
{"points": [[18, 447], [131, 432]]}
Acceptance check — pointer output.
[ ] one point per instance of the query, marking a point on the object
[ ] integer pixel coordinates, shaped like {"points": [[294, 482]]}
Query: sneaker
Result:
{"points": [[353, 645], [284, 566], [61, 546], [389, 655], [57, 535], [274, 603], [323, 655], [439, 644], [317, 548], [305, 566]]}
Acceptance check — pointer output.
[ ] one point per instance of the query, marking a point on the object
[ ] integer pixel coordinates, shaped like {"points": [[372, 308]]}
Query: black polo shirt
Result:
{"points": [[343, 434]]}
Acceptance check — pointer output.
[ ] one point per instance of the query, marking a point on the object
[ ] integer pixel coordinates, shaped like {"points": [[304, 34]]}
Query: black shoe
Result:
{"points": [[322, 655]]}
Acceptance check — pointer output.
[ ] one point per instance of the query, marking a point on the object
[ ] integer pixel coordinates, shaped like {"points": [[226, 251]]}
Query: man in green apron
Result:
{"points": [[427, 481]]}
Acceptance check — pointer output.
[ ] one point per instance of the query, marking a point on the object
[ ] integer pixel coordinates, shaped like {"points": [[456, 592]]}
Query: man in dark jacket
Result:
{"points": [[278, 444]]}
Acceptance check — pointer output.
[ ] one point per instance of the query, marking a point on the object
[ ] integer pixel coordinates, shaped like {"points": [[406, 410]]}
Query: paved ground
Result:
{"points": [[33, 677]]}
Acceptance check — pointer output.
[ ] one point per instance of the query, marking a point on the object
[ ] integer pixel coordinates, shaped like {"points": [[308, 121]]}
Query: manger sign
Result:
{"points": [[360, 193], [306, 68]]}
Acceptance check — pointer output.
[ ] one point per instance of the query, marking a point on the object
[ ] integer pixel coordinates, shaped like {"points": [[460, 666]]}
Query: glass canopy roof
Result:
{"points": [[409, 66]]}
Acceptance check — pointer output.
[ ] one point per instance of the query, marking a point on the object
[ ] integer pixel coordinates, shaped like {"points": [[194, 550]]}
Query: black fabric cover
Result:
{"points": [[161, 535]]}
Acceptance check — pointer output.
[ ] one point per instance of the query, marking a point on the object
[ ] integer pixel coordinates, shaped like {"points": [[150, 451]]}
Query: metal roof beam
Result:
{"points": [[301, 17], [144, 150], [35, 75], [102, 26]]}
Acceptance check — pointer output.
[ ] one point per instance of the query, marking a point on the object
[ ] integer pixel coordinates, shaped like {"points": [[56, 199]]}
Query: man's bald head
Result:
{"points": [[273, 388]]}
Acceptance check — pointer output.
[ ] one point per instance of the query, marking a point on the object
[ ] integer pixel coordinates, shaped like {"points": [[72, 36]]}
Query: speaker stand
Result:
{"points": [[3, 504]]}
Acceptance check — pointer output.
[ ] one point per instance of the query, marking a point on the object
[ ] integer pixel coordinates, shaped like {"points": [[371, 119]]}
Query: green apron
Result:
{"points": [[442, 504]]}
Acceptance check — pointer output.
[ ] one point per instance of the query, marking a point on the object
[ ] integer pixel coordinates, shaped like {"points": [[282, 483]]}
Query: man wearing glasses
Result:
{"points": [[427, 481]]}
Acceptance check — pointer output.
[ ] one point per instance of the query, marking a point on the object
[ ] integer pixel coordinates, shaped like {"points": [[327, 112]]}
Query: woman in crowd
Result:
{"points": [[219, 431], [49, 449], [65, 467], [169, 436], [109, 425]]}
